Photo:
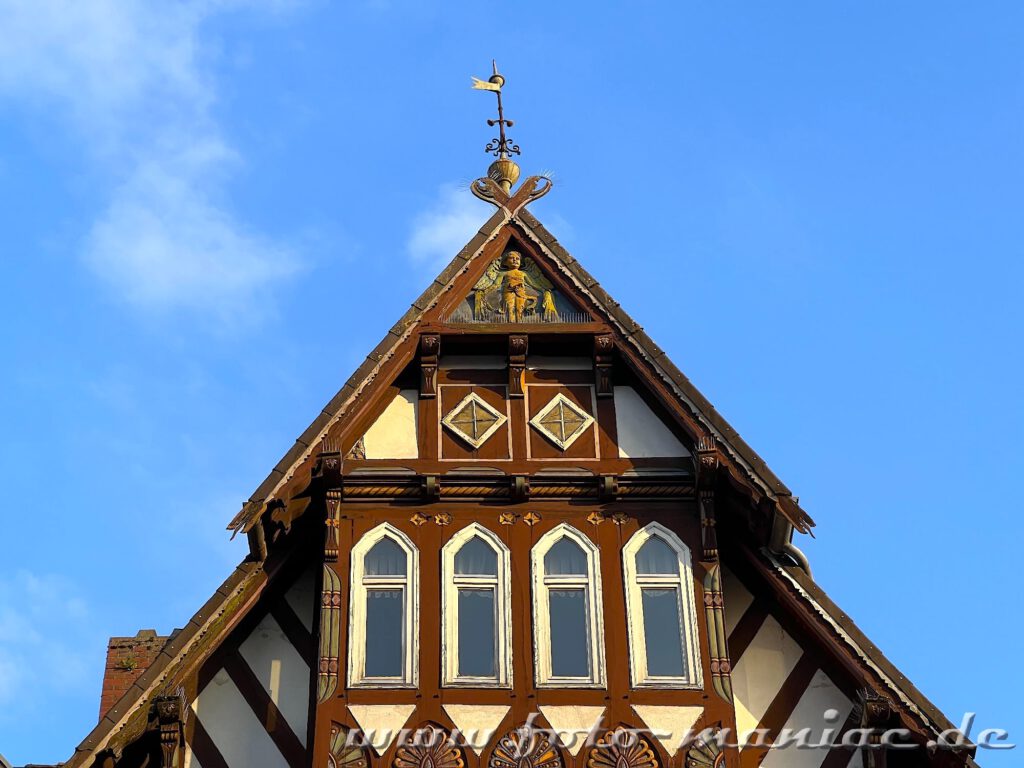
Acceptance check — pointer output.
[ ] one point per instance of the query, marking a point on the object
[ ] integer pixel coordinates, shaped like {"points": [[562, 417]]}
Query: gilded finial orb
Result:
{"points": [[505, 172]]}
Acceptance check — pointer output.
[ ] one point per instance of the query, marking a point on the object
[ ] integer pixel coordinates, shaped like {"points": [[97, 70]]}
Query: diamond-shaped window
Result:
{"points": [[562, 421], [474, 420]]}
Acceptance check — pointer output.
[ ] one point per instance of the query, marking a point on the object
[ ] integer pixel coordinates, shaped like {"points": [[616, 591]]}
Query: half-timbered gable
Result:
{"points": [[517, 537]]}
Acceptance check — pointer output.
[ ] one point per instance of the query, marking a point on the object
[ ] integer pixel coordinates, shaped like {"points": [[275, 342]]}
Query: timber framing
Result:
{"points": [[399, 348]]}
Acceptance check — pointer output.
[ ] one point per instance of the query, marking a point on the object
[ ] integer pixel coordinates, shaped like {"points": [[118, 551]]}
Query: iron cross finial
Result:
{"points": [[502, 146]]}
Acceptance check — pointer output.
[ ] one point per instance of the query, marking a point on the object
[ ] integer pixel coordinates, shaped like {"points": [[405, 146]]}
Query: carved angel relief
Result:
{"points": [[622, 748], [515, 290], [429, 747]]}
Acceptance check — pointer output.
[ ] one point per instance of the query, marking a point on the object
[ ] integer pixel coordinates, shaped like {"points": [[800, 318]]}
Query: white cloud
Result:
{"points": [[33, 609], [133, 78], [440, 232]]}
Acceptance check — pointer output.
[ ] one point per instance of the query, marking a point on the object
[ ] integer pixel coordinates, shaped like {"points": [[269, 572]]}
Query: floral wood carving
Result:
{"points": [[622, 748], [344, 754], [429, 747], [525, 747]]}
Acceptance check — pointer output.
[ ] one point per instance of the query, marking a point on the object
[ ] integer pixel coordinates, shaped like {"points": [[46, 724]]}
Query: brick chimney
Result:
{"points": [[127, 659]]}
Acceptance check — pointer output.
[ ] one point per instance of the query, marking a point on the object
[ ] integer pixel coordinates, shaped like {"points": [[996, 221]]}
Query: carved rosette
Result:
{"points": [[344, 754], [714, 613], [429, 747], [706, 752], [525, 747], [622, 748], [330, 634]]}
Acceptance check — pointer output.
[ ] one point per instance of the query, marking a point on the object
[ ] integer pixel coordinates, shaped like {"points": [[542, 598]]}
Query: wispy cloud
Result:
{"points": [[440, 232], [134, 79], [34, 609]]}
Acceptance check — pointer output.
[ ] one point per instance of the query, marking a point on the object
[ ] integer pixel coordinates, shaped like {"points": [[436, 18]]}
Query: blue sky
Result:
{"points": [[212, 210]]}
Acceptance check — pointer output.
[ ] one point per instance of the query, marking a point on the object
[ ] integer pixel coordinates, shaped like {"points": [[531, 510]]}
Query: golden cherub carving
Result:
{"points": [[515, 277]]}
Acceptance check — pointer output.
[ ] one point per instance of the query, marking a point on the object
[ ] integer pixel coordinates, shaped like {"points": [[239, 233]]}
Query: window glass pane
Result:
{"points": [[565, 558], [569, 642], [661, 630], [476, 632], [384, 633], [657, 557], [386, 558], [476, 558]]}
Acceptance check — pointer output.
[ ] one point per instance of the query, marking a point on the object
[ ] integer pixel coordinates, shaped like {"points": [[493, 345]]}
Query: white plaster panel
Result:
{"points": [[282, 672], [821, 696], [573, 724], [642, 435], [476, 722], [301, 598], [759, 674], [737, 600], [380, 723], [239, 736], [394, 435], [669, 724]]}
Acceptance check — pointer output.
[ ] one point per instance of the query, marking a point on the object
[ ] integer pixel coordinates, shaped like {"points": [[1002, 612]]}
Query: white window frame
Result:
{"points": [[410, 610], [590, 583], [501, 583], [634, 583]]}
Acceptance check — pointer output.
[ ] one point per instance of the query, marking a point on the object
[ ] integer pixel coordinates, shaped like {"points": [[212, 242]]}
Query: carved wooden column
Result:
{"points": [[604, 346], [169, 713], [327, 474], [430, 350], [518, 343], [877, 715]]}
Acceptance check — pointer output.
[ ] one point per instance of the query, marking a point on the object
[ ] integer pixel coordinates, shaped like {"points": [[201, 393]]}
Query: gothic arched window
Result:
{"points": [[476, 609], [384, 610], [660, 610], [567, 623]]}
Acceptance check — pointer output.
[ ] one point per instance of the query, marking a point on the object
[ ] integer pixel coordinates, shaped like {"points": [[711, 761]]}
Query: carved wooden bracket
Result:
{"points": [[169, 713], [707, 470], [518, 344], [332, 519], [878, 715], [430, 349], [604, 346], [520, 490], [488, 190], [714, 614]]}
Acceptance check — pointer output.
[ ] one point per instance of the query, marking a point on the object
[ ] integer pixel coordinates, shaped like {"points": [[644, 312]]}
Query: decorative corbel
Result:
{"points": [[608, 487], [707, 470], [169, 714], [430, 487], [430, 349], [604, 346], [518, 343], [520, 488], [877, 715], [332, 518]]}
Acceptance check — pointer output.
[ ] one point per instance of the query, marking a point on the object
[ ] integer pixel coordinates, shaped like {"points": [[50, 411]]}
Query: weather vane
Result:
{"points": [[502, 146]]}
